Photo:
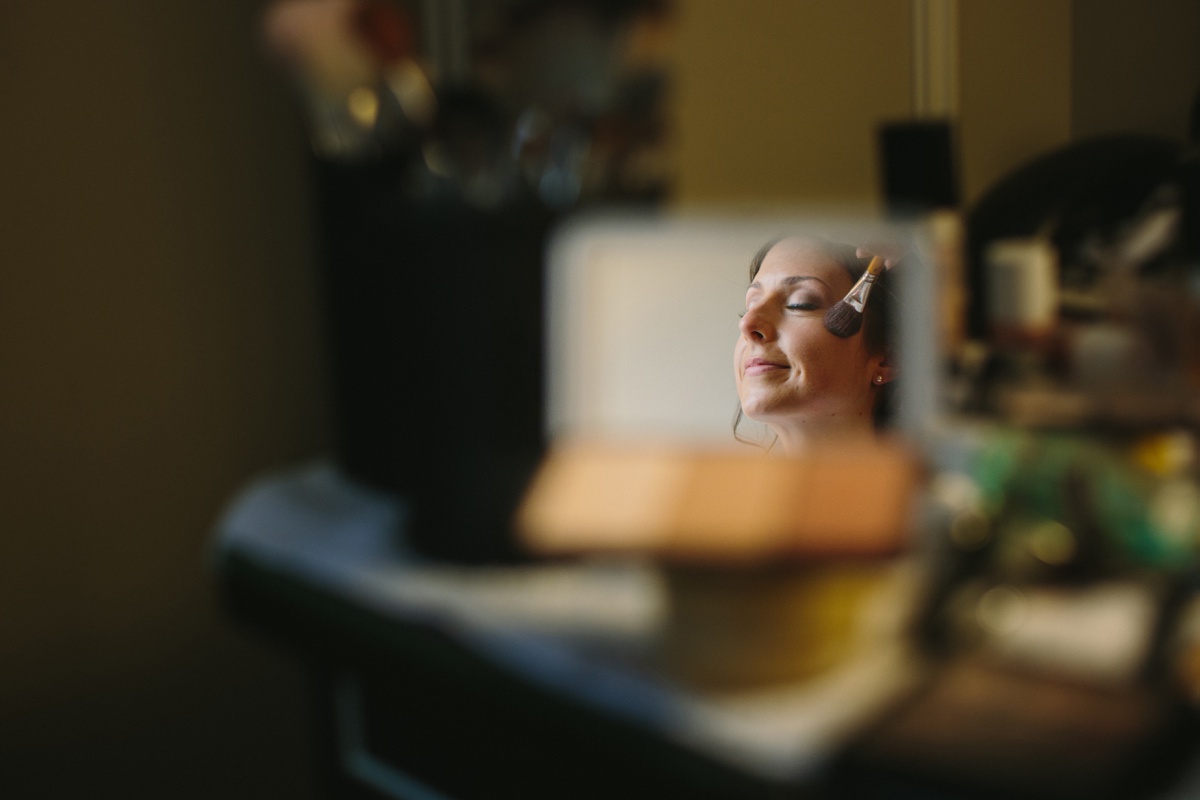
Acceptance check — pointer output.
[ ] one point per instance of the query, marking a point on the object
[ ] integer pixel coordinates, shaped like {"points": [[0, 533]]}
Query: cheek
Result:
{"points": [[830, 361], [811, 349]]}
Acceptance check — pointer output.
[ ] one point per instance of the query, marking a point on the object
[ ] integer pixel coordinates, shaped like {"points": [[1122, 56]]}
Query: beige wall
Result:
{"points": [[781, 105], [1037, 74], [1015, 85], [778, 100], [1135, 66]]}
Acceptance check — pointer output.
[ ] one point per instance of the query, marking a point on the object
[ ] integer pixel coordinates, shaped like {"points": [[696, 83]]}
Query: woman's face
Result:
{"points": [[792, 374]]}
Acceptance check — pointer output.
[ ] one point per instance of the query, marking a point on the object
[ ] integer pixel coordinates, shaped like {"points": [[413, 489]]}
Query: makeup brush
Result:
{"points": [[845, 317]]}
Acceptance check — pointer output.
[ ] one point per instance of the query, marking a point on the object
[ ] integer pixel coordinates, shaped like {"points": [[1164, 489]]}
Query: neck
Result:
{"points": [[799, 438]]}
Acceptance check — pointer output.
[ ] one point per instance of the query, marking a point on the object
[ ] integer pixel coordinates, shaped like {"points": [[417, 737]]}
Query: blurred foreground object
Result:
{"points": [[1071, 412], [450, 139], [720, 506], [576, 87], [354, 65], [1082, 304], [770, 564], [580, 678], [1061, 516]]}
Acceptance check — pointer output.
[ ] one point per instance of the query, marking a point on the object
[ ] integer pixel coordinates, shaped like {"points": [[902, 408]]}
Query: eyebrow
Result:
{"points": [[792, 280]]}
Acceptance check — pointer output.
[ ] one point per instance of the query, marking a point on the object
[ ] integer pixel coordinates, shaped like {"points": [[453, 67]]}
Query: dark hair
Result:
{"points": [[878, 331]]}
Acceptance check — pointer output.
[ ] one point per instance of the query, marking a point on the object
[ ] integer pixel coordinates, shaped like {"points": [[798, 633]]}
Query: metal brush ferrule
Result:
{"points": [[857, 296]]}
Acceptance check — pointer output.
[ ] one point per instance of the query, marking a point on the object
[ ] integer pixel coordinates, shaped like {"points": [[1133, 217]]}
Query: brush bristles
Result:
{"points": [[843, 320]]}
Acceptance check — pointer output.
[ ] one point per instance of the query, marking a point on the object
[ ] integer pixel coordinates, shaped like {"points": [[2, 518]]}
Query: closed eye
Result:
{"points": [[803, 306]]}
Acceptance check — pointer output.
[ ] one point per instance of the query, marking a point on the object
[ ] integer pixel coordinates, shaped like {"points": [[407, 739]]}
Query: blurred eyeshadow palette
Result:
{"points": [[719, 505]]}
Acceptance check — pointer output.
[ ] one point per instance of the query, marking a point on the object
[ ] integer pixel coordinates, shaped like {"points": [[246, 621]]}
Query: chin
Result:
{"points": [[751, 407], [763, 410]]}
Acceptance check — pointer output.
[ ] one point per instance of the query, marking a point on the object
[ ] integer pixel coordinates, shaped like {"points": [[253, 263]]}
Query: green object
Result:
{"points": [[1079, 480]]}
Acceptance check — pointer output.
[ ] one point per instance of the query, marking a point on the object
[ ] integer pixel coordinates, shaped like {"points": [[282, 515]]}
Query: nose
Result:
{"points": [[756, 324]]}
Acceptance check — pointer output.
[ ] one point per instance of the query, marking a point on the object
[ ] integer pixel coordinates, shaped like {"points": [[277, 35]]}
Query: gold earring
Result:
{"points": [[879, 380]]}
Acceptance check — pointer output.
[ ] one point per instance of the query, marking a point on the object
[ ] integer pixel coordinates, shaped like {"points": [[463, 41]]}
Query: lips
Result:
{"points": [[762, 366]]}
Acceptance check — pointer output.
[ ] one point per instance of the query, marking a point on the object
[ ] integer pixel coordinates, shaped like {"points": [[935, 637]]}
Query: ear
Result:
{"points": [[884, 369]]}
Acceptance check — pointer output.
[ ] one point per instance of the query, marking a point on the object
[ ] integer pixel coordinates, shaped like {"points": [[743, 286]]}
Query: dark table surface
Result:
{"points": [[442, 680]]}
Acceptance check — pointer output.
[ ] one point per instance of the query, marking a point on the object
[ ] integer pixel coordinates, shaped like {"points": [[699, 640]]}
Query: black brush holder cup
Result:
{"points": [[435, 323]]}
